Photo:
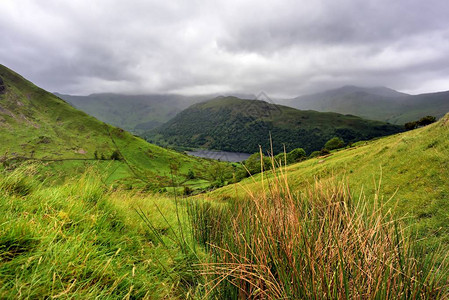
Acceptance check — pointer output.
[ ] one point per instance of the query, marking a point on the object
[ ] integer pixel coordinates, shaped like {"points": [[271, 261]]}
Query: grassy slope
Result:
{"points": [[81, 240], [240, 125], [413, 166], [36, 124]]}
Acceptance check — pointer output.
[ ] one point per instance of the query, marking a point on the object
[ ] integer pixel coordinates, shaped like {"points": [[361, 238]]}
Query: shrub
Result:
{"points": [[426, 120], [410, 125], [116, 155], [279, 158], [187, 191], [315, 154], [296, 155], [254, 165], [190, 175], [324, 152], [421, 122], [334, 143]]}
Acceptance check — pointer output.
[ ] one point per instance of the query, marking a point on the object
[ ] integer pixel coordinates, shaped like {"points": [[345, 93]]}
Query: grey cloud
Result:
{"points": [[337, 22], [285, 48]]}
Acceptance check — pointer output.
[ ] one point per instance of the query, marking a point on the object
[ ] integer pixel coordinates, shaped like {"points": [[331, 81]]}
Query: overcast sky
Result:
{"points": [[285, 48]]}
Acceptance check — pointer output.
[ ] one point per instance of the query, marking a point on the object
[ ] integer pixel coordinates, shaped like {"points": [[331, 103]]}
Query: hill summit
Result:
{"points": [[234, 124]]}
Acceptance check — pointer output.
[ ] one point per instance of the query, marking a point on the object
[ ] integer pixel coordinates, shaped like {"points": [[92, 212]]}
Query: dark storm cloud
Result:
{"points": [[285, 48], [337, 22]]}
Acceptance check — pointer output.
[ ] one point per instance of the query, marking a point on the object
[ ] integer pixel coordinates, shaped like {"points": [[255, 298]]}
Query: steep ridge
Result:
{"points": [[35, 125]]}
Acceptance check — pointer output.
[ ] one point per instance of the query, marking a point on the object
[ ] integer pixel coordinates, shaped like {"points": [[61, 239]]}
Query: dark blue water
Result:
{"points": [[220, 155]]}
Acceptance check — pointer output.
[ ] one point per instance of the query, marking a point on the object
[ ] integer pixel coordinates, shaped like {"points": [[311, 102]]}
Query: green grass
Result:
{"points": [[83, 240], [37, 126], [411, 167], [365, 222], [303, 235]]}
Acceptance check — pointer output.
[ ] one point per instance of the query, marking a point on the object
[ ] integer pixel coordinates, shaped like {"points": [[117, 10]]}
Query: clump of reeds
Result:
{"points": [[319, 243]]}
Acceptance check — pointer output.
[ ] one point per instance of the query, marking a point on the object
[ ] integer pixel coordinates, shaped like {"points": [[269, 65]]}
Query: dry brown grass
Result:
{"points": [[319, 243]]}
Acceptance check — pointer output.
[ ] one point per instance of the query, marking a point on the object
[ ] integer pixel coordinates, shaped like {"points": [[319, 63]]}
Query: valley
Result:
{"points": [[36, 126], [90, 210], [224, 150]]}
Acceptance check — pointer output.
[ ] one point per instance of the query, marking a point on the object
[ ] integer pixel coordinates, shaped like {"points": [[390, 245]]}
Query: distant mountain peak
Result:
{"points": [[241, 125], [377, 103], [376, 90]]}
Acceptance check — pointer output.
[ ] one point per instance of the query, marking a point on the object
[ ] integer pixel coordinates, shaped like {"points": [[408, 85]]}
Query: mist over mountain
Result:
{"points": [[135, 113], [140, 113], [377, 103]]}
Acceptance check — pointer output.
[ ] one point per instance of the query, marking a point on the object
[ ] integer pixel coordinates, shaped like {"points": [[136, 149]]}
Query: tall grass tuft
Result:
{"points": [[82, 240], [19, 182], [320, 243]]}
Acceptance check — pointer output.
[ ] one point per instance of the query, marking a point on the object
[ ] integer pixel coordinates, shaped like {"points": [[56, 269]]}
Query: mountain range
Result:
{"points": [[377, 103], [373, 215], [140, 113], [135, 113]]}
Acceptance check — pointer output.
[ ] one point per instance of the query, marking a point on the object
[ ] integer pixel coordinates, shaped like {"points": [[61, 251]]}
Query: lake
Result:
{"points": [[220, 155]]}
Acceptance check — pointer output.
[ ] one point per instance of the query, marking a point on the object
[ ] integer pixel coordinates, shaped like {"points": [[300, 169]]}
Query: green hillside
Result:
{"points": [[418, 106], [233, 124], [74, 236], [411, 167], [135, 113], [37, 126], [378, 103]]}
